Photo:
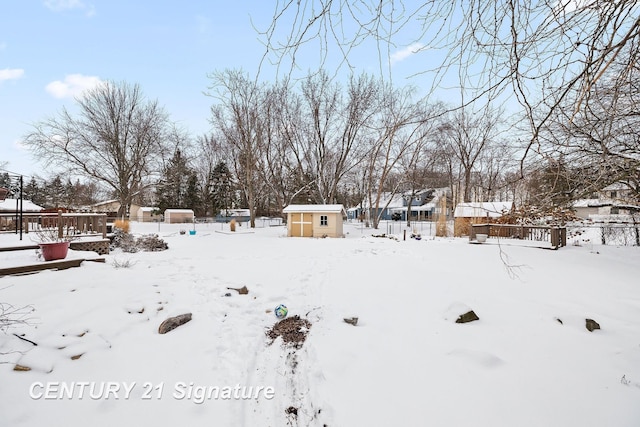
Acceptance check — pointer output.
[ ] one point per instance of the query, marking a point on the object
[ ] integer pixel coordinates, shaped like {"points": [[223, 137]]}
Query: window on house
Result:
{"points": [[615, 211], [614, 194], [324, 220]]}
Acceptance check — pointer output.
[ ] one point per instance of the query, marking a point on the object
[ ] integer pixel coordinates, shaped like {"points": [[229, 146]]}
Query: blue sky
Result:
{"points": [[50, 50]]}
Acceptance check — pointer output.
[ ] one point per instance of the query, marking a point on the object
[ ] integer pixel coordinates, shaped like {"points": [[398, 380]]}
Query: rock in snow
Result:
{"points": [[173, 322]]}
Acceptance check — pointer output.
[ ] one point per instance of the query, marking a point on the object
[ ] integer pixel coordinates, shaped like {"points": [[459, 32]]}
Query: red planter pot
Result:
{"points": [[55, 250]]}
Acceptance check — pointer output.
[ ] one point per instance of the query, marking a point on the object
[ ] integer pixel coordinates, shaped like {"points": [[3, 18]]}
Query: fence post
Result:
{"points": [[60, 225], [554, 237]]}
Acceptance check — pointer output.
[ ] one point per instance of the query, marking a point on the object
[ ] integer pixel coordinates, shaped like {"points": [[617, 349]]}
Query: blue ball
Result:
{"points": [[281, 311]]}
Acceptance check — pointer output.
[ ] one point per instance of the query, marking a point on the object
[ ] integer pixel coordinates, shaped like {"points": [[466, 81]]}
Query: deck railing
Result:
{"points": [[76, 224], [556, 236]]}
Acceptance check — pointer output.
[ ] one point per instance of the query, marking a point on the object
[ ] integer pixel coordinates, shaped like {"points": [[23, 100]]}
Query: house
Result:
{"points": [[314, 220], [226, 215], [111, 208], [584, 208], [177, 216], [148, 214], [466, 214], [425, 205], [614, 199]]}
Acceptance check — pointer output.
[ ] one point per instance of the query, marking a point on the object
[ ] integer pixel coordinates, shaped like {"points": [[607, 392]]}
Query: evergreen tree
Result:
{"points": [[221, 191], [192, 196], [55, 193], [32, 191], [172, 190]]}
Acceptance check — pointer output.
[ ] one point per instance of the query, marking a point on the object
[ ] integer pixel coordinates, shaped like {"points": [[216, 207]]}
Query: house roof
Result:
{"points": [[388, 200], [147, 208], [106, 202], [9, 205], [482, 209], [616, 186], [314, 208], [591, 203]]}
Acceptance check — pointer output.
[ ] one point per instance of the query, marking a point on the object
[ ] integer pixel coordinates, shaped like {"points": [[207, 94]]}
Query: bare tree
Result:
{"points": [[466, 135], [115, 139], [541, 52], [239, 118], [599, 144], [330, 142], [396, 129], [417, 163]]}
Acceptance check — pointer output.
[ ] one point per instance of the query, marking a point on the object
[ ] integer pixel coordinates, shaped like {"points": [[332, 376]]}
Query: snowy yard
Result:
{"points": [[528, 361]]}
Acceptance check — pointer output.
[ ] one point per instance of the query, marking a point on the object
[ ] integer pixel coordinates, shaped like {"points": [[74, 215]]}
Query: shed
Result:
{"points": [[10, 209], [177, 216], [466, 214], [314, 220], [9, 206], [148, 214]]}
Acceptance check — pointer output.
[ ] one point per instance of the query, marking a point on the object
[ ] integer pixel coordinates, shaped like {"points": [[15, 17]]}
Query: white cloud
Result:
{"points": [[60, 5], [73, 85], [403, 54], [3, 45], [11, 74]]}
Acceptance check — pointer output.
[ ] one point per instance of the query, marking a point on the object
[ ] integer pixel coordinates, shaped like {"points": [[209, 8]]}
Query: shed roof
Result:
{"points": [[9, 205], [187, 211], [482, 209], [314, 208]]}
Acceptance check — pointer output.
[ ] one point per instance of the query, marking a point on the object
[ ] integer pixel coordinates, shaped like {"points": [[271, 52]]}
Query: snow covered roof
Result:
{"points": [[179, 211], [9, 205], [147, 209], [591, 203], [418, 208], [386, 200], [482, 209], [617, 186], [106, 202], [314, 208]]}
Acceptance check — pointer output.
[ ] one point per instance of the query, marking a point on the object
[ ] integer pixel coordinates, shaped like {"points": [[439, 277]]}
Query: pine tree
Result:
{"points": [[172, 190], [192, 196], [55, 193], [221, 191]]}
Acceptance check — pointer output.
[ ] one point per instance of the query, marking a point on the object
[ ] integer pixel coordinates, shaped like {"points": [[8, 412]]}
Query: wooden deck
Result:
{"points": [[49, 265], [556, 237]]}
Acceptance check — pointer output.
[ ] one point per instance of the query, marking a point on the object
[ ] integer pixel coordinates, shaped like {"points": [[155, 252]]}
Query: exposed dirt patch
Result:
{"points": [[293, 331]]}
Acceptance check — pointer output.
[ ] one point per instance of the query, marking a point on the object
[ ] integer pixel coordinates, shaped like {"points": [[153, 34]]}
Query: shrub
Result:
{"points": [[151, 243], [122, 224], [124, 241]]}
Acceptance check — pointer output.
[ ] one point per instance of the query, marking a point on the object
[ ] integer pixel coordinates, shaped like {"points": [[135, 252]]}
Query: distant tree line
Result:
{"points": [[315, 140]]}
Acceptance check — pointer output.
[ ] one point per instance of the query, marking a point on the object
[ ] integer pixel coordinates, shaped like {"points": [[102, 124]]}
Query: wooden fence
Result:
{"points": [[556, 236], [72, 224]]}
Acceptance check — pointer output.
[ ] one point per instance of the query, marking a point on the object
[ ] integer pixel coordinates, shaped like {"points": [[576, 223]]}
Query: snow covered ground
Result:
{"points": [[528, 361]]}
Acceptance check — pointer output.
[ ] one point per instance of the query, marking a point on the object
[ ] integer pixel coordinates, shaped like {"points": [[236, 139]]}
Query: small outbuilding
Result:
{"points": [[148, 214], [314, 220], [466, 214], [178, 216]]}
